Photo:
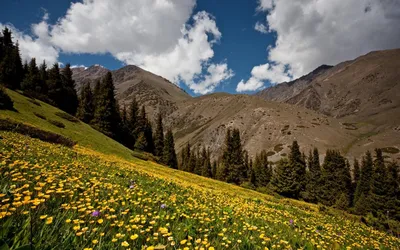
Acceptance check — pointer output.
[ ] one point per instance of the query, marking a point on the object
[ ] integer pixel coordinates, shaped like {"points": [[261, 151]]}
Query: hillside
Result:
{"points": [[155, 92], [131, 203], [27, 111], [264, 125]]}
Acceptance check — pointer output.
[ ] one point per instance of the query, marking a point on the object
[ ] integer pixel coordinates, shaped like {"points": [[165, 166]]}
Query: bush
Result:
{"points": [[145, 156], [40, 116], [5, 100], [34, 102], [17, 127], [57, 123], [34, 95], [67, 117]]}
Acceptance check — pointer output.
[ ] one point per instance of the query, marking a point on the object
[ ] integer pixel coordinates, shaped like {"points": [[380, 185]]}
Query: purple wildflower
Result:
{"points": [[96, 213], [291, 222], [131, 186], [163, 206]]}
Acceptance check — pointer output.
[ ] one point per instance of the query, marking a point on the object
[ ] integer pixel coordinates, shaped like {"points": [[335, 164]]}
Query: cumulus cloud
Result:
{"points": [[273, 73], [311, 33], [261, 28], [153, 34], [34, 46]]}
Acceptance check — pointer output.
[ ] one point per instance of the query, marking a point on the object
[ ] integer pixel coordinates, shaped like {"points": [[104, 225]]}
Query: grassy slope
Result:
{"points": [[94, 143], [80, 132]]}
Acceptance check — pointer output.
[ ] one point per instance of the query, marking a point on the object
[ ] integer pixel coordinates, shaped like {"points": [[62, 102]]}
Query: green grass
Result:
{"points": [[80, 132]]}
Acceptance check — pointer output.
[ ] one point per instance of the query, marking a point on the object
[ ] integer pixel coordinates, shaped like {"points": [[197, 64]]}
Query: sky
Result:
{"points": [[204, 46]]}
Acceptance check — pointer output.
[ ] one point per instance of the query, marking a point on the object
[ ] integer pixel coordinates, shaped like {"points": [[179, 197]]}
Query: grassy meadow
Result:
{"points": [[96, 195]]}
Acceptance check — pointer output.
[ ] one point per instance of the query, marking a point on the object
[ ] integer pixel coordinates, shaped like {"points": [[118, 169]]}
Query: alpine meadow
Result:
{"points": [[188, 137]]}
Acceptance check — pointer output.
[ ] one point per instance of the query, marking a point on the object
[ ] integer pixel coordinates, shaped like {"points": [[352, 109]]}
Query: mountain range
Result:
{"points": [[353, 107]]}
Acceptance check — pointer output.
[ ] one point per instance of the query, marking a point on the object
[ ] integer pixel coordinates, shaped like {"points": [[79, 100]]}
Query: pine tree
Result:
{"points": [[393, 193], [32, 79], [284, 180], [144, 126], [379, 183], [169, 151], [43, 89], [133, 119], [313, 177], [192, 161], [206, 169], [11, 70], [86, 104], [362, 194], [18, 68], [55, 86], [298, 166], [214, 169], [235, 171], [159, 137], [70, 99], [106, 115], [335, 179], [356, 171], [141, 143], [185, 157], [261, 170]]}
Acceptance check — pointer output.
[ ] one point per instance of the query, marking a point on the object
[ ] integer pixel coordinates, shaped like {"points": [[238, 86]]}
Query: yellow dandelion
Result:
{"points": [[134, 237]]}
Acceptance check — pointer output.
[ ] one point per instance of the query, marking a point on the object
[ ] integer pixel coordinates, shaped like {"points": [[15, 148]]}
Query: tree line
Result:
{"points": [[371, 187], [97, 107]]}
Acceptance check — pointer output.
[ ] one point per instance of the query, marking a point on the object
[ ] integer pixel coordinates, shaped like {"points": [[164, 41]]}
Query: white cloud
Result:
{"points": [[261, 28], [153, 34], [273, 73], [78, 66], [34, 46], [188, 58], [311, 33]]}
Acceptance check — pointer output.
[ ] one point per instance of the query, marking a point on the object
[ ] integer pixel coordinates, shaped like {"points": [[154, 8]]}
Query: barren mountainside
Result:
{"points": [[352, 107]]}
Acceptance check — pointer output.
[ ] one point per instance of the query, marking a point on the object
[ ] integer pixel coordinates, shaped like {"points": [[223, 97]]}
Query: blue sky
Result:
{"points": [[235, 58]]}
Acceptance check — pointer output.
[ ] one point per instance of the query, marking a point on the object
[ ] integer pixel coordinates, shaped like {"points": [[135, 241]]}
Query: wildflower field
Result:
{"points": [[55, 197]]}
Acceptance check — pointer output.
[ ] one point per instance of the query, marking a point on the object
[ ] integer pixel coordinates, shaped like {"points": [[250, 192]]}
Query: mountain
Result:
{"points": [[365, 86], [155, 92], [352, 107]]}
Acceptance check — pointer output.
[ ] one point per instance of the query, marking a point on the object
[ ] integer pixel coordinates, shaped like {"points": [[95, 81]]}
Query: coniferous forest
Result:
{"points": [[368, 186]]}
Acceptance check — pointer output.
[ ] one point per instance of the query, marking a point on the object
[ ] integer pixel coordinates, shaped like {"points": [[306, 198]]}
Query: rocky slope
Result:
{"points": [[155, 92], [353, 107]]}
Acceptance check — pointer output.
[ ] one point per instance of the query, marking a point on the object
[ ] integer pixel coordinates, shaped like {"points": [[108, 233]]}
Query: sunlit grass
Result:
{"points": [[79, 198]]}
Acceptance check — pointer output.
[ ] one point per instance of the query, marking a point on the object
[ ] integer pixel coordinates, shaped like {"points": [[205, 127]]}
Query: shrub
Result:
{"points": [[40, 116], [270, 153], [5, 100], [17, 127], [278, 148], [34, 102], [67, 117], [57, 123], [390, 150], [34, 95]]}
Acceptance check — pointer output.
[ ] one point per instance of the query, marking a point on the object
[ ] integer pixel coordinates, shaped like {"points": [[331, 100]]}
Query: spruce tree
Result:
{"points": [[335, 179], [43, 89], [393, 193], [86, 104], [214, 169], [284, 180], [185, 157], [55, 86], [169, 151], [379, 183], [206, 168], [261, 170], [159, 137], [356, 171], [313, 177], [32, 79], [233, 158], [133, 120], [70, 99], [106, 115], [298, 166], [362, 194]]}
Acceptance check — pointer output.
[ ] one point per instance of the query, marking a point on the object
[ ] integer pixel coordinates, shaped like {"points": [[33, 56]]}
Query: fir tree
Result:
{"points": [[362, 194], [313, 177], [141, 143], [55, 86], [233, 158], [335, 179], [169, 151], [206, 169], [214, 169], [86, 104], [43, 89], [261, 170], [356, 171], [393, 192], [284, 180], [70, 98], [159, 137], [185, 157], [32, 79], [379, 183], [133, 121], [106, 115], [144, 126]]}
